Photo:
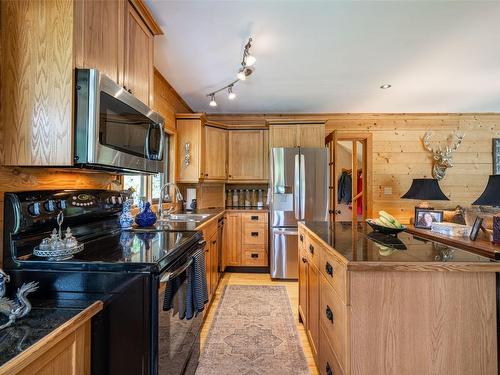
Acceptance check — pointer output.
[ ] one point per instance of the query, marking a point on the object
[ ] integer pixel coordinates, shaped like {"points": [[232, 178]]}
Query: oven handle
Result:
{"points": [[157, 156], [171, 275]]}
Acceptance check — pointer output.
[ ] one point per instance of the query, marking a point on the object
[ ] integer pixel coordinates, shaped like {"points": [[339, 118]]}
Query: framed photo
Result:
{"points": [[496, 155], [425, 217], [475, 228]]}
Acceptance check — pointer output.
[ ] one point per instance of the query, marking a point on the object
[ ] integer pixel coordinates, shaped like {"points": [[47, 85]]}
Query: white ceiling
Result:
{"points": [[332, 56]]}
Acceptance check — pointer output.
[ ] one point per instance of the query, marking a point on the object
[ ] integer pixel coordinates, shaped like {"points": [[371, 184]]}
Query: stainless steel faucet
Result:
{"points": [[163, 196]]}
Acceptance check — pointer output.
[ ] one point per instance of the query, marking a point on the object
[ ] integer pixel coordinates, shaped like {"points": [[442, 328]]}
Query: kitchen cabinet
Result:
{"points": [[246, 239], [190, 147], [113, 36], [247, 157], [215, 153], [210, 234], [285, 134], [138, 77]]}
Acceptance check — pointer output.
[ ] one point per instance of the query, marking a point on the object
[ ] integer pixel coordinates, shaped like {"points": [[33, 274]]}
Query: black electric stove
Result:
{"points": [[128, 270]]}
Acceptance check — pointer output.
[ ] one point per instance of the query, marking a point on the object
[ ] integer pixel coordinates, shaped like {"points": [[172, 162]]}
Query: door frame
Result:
{"points": [[367, 139]]}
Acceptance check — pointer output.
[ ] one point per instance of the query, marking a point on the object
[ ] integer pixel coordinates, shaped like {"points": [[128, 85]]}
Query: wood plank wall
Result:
{"points": [[399, 156]]}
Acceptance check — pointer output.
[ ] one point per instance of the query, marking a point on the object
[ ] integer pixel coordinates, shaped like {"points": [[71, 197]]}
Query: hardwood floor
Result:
{"points": [[261, 279]]}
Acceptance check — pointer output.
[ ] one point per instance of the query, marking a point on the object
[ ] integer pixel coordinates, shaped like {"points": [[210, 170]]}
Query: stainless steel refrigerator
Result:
{"points": [[299, 191]]}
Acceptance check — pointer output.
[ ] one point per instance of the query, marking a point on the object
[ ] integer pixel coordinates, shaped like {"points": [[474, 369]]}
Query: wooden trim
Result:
{"points": [[39, 348], [424, 267], [147, 16], [272, 122], [191, 116], [171, 89]]}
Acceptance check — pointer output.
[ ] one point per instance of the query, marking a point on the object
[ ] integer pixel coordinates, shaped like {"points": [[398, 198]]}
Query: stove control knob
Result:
{"points": [[34, 208], [49, 206], [112, 200], [61, 205]]}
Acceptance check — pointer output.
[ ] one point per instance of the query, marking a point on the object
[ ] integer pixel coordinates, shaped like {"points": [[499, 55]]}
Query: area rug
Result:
{"points": [[253, 333]]}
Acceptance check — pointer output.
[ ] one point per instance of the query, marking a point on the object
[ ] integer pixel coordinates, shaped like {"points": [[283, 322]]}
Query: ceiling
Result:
{"points": [[332, 56]]}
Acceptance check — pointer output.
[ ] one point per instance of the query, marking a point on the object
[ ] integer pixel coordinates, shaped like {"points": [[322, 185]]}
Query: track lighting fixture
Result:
{"points": [[213, 103], [230, 94], [245, 70]]}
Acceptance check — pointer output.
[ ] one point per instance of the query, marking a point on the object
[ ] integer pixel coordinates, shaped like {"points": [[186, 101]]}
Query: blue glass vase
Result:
{"points": [[147, 217]]}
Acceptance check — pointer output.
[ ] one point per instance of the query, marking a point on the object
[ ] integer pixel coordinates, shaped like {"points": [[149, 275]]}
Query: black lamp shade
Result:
{"points": [[491, 195], [425, 189]]}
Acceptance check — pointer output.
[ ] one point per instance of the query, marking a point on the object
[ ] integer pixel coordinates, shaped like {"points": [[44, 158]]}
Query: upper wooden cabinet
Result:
{"points": [[215, 153], [247, 157], [138, 77], [304, 134], [37, 70], [190, 147]]}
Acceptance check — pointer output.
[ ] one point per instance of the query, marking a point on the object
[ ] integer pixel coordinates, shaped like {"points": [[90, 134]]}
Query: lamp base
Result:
{"points": [[496, 230]]}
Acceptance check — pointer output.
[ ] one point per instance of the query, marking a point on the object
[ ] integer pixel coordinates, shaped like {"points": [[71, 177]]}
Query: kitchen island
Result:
{"points": [[381, 305]]}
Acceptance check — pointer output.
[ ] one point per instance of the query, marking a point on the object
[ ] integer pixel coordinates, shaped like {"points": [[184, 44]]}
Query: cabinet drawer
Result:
{"points": [[313, 249], [327, 363], [335, 273], [254, 256], [302, 239], [254, 217], [333, 316], [254, 234]]}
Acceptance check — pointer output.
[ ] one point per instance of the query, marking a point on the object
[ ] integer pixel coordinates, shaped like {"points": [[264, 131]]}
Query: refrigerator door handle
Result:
{"points": [[296, 188], [302, 187], [285, 232]]}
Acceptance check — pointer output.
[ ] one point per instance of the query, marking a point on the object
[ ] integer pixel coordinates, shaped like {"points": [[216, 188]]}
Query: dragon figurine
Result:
{"points": [[18, 308]]}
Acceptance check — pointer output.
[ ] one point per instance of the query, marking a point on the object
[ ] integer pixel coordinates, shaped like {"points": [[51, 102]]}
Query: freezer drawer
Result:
{"points": [[284, 253]]}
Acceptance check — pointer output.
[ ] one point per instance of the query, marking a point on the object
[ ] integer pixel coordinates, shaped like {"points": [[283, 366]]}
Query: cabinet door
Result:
{"points": [[99, 41], [313, 308], [283, 136], [215, 153], [246, 155], [303, 289], [214, 264], [208, 268], [138, 57], [233, 243], [189, 143], [311, 135]]}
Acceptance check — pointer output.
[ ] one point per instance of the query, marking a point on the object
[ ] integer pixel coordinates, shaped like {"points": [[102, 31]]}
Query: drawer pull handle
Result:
{"points": [[301, 238], [254, 218], [328, 369], [329, 269], [254, 255], [311, 249], [329, 313], [304, 260], [255, 234]]}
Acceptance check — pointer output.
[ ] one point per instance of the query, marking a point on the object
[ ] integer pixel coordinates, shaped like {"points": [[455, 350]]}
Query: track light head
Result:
{"points": [[212, 103], [230, 94], [250, 60]]}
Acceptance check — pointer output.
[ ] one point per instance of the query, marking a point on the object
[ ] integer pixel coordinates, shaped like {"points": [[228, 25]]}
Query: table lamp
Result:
{"points": [[425, 189], [491, 197]]}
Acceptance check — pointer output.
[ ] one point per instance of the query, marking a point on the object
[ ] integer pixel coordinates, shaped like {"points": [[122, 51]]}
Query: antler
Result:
{"points": [[427, 143], [456, 144]]}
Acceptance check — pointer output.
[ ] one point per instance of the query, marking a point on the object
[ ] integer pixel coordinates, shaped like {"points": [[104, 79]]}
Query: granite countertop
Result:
{"points": [[361, 244], [44, 318]]}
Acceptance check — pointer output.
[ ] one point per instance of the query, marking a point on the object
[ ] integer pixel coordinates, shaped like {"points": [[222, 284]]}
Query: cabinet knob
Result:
{"points": [[301, 238], [230, 176], [329, 313], [304, 260], [311, 249], [329, 269], [213, 242], [328, 369], [206, 174]]}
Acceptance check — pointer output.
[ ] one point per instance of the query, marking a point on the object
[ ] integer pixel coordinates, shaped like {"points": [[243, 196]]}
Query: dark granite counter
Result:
{"points": [[361, 244], [44, 318]]}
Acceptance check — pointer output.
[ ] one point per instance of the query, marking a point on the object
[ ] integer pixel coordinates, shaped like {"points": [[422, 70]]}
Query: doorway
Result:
{"points": [[350, 187]]}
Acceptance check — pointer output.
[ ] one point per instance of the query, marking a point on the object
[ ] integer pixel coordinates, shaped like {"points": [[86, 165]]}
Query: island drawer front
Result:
{"points": [[254, 217], [328, 363], [313, 249], [335, 272], [254, 234], [254, 255], [302, 239], [333, 316]]}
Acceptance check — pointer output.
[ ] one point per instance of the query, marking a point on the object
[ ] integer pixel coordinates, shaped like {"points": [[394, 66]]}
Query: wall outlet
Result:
{"points": [[387, 190]]}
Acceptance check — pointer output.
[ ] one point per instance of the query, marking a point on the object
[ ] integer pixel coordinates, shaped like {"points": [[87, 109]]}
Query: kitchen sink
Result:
{"points": [[184, 218]]}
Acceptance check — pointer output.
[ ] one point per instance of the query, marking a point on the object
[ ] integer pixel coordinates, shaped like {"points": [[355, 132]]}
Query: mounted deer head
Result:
{"points": [[442, 157]]}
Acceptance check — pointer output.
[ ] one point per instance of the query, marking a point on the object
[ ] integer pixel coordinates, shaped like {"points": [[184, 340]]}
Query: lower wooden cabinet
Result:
{"points": [[327, 361], [246, 239], [313, 307], [211, 257]]}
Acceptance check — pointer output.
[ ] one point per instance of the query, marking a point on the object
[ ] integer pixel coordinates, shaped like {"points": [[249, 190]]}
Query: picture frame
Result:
{"points": [[424, 217], [496, 155], [475, 228]]}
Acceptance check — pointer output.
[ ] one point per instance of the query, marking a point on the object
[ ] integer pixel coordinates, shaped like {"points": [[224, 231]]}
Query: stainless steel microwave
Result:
{"points": [[113, 129]]}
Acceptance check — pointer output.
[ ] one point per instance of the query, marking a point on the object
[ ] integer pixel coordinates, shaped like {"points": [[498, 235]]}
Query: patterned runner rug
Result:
{"points": [[253, 333]]}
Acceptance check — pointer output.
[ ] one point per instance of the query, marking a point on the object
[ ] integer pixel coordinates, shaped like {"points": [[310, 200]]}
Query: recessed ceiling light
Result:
{"points": [[385, 86]]}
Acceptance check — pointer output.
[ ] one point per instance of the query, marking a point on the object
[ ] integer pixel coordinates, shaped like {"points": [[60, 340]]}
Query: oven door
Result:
{"points": [[114, 129], [178, 339]]}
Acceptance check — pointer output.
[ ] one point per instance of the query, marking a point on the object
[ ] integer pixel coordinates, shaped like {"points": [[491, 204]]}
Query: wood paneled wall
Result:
{"points": [[399, 156]]}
